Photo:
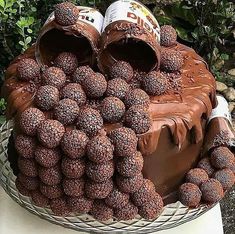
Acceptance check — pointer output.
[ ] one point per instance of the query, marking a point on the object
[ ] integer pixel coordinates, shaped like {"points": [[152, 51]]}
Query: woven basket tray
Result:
{"points": [[172, 216]]}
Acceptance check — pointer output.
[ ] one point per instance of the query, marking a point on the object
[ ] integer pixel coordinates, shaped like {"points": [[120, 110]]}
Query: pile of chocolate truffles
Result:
{"points": [[67, 158], [214, 175]]}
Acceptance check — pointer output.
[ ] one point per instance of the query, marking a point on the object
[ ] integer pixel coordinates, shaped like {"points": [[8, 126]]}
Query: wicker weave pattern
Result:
{"points": [[173, 214]]}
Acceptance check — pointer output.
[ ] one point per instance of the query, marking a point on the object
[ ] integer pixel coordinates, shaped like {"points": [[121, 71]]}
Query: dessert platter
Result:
{"points": [[113, 125]]}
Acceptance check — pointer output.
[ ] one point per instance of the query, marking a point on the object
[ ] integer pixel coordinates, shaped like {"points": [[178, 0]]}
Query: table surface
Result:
{"points": [[16, 220]]}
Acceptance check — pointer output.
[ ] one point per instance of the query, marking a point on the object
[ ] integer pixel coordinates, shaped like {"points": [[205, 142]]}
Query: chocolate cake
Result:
{"points": [[89, 141]]}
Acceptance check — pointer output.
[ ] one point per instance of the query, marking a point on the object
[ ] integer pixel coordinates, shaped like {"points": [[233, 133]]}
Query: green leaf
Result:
{"points": [[28, 40], [21, 43], [224, 56], [29, 30], [2, 3]]}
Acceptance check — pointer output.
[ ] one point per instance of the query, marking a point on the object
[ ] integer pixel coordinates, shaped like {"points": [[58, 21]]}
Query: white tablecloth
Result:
{"points": [[16, 220]]}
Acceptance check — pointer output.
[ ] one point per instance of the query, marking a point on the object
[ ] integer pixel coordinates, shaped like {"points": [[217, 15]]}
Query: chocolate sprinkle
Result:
{"points": [[137, 97], [51, 192], [117, 199], [212, 191], [59, 206], [122, 70], [75, 92], [50, 133], [101, 211], [100, 149], [128, 212], [100, 172], [74, 187], [73, 168], [47, 97], [25, 146], [51, 175], [130, 184], [30, 120], [74, 143], [112, 109], [30, 183], [66, 13], [97, 190], [197, 176], [189, 195], [47, 157], [39, 199], [130, 166], [89, 121], [226, 177], [67, 62], [28, 167], [168, 36], [117, 88], [66, 111], [80, 204], [81, 74], [54, 76], [206, 166], [138, 119]]}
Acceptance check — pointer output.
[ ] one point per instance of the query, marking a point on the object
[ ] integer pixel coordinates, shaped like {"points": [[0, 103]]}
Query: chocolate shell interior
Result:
{"points": [[49, 46]]}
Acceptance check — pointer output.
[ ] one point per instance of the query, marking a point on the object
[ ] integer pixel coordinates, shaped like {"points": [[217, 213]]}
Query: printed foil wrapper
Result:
{"points": [[81, 38], [130, 33]]}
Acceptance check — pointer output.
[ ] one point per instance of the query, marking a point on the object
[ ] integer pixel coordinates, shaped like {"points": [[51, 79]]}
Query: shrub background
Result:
{"points": [[205, 25]]}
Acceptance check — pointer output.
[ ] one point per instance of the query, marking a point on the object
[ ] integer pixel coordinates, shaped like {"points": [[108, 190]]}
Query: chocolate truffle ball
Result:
{"points": [[189, 195], [222, 157], [124, 141], [47, 157], [30, 120], [130, 166], [137, 97], [225, 177], [117, 88], [47, 97], [171, 60], [39, 199], [101, 211], [80, 204], [66, 111], [95, 85], [138, 119], [50, 133], [51, 175], [152, 209], [30, 183], [75, 92], [28, 167], [59, 206], [130, 184], [66, 13], [81, 74], [155, 83], [28, 70], [206, 166], [89, 121], [168, 36], [97, 190], [117, 199], [74, 143], [127, 212], [51, 192], [22, 190], [232, 167], [212, 191], [196, 176], [144, 194], [100, 149], [73, 187], [54, 76], [73, 168], [67, 62], [100, 172], [25, 146], [112, 109], [122, 70], [94, 104]]}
